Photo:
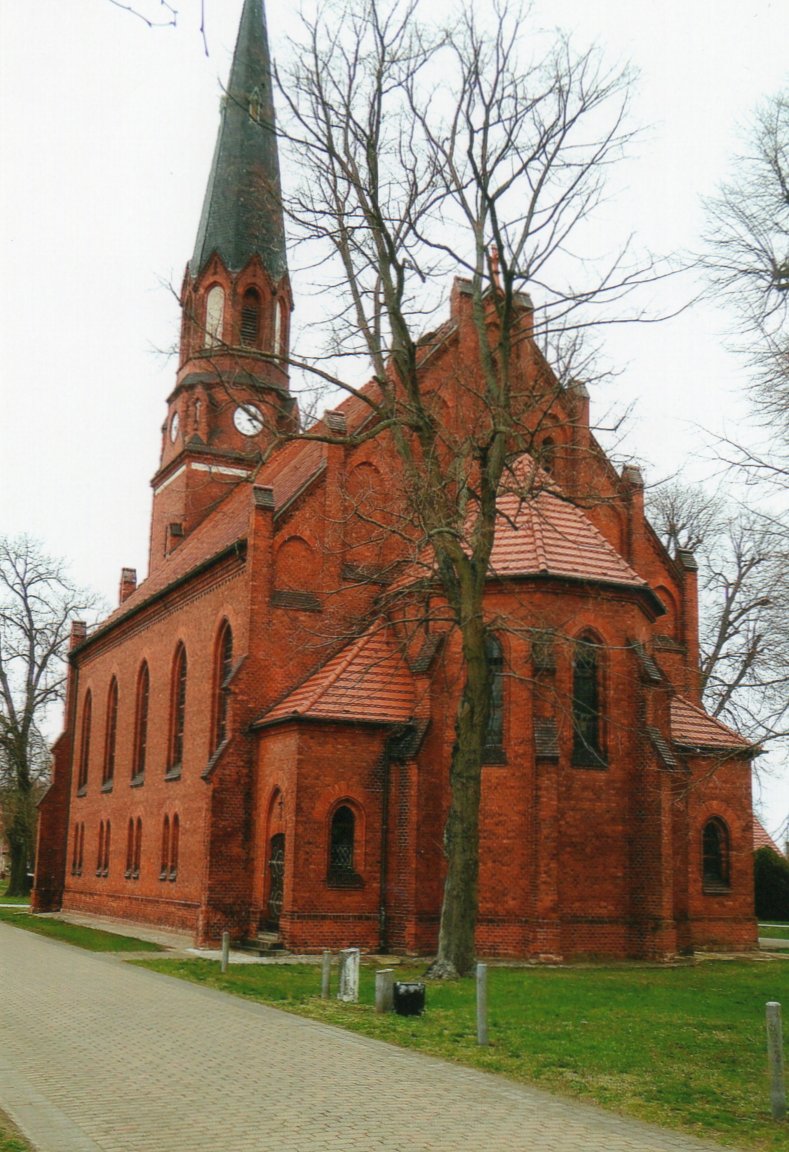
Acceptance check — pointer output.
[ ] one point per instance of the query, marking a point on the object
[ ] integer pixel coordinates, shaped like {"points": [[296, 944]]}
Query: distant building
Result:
{"points": [[259, 738]]}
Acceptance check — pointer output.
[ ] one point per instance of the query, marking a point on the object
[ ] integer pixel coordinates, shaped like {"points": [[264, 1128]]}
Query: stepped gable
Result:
{"points": [[227, 525], [368, 680], [692, 727]]}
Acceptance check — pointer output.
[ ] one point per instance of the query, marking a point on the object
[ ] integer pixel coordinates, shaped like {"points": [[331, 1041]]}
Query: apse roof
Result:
{"points": [[368, 680], [242, 209], [692, 727]]}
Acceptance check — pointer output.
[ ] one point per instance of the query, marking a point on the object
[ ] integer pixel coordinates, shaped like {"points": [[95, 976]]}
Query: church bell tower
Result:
{"points": [[231, 394]]}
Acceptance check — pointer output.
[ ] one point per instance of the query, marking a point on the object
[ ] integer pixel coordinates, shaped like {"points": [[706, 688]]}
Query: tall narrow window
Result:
{"points": [[129, 850], [715, 852], [494, 656], [250, 318], [84, 748], [587, 720], [214, 316], [75, 852], [81, 852], [141, 725], [165, 848], [100, 853], [105, 868], [177, 712], [175, 837], [343, 828], [223, 667], [137, 849], [110, 733]]}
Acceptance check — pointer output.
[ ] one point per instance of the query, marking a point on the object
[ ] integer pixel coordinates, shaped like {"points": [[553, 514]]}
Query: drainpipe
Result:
{"points": [[383, 943]]}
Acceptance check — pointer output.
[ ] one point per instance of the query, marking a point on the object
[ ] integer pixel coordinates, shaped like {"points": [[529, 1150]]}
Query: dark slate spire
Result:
{"points": [[242, 213]]}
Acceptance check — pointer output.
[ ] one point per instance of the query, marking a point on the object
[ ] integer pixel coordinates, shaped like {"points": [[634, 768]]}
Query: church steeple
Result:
{"points": [[231, 395], [242, 211]]}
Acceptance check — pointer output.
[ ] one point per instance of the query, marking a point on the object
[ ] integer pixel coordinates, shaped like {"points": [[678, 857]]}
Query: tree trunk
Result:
{"points": [[20, 841]]}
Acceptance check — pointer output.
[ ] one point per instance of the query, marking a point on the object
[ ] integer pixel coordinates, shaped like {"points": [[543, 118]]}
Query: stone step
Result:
{"points": [[263, 943]]}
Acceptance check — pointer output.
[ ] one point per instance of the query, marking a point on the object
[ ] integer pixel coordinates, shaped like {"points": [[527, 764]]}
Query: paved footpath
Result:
{"points": [[100, 1056]]}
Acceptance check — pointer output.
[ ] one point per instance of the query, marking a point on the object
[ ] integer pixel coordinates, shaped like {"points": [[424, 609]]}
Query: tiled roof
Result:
{"points": [[297, 472], [692, 727], [762, 838], [368, 680], [228, 524]]}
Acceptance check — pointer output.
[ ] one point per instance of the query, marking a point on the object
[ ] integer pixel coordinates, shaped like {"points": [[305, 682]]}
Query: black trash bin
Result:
{"points": [[409, 999]]}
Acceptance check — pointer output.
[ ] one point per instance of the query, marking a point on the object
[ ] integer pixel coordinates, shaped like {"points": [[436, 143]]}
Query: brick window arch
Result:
{"points": [[716, 868], [223, 664], [587, 703], [494, 734], [214, 316], [250, 318], [110, 736], [84, 746], [177, 712], [344, 846], [141, 724]]}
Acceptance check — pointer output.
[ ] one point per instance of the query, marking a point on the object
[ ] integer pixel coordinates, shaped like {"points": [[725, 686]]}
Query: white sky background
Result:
{"points": [[107, 130]]}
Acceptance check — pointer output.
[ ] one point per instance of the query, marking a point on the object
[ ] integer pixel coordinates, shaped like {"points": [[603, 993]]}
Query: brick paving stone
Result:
{"points": [[99, 1056]]}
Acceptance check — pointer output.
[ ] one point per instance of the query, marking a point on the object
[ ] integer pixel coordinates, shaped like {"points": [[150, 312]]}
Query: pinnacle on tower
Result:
{"points": [[242, 210]]}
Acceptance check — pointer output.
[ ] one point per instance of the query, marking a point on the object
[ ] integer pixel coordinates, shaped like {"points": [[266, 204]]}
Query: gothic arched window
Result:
{"points": [[587, 704], [84, 750], [223, 664], [250, 318], [141, 725], [715, 856], [177, 711], [111, 732], [214, 316], [494, 656], [341, 844]]}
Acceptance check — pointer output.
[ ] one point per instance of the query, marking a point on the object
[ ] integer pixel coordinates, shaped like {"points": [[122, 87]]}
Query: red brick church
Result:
{"points": [[258, 738]]}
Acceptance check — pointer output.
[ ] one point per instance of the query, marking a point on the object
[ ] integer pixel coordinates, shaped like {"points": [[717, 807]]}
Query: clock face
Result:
{"points": [[175, 424], [247, 419]]}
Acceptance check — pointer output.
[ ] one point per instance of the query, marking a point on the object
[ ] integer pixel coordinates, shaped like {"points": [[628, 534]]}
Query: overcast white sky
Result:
{"points": [[106, 135]]}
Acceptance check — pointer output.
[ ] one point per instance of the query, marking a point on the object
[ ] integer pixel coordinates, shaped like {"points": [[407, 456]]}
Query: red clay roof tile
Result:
{"points": [[692, 727]]}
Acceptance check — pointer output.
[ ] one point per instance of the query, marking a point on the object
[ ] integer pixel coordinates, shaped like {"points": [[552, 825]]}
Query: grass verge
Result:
{"points": [[93, 939], [11, 1139], [682, 1047]]}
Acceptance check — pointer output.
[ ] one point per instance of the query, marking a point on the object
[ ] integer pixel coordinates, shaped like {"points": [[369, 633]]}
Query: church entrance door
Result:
{"points": [[276, 875]]}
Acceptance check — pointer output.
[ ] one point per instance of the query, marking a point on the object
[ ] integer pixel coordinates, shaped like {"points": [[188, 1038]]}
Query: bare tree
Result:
{"points": [[424, 152], [37, 605], [744, 594], [747, 260]]}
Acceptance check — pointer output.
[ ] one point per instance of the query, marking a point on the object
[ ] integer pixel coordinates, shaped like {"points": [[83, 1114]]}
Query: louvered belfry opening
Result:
{"points": [[250, 318]]}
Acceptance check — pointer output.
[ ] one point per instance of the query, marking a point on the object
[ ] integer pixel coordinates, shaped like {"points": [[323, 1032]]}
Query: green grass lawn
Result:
{"points": [[94, 939], [6, 899], [683, 1047], [774, 931]]}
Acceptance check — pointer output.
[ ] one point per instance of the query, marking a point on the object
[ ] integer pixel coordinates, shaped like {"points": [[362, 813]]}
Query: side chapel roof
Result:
{"points": [[692, 728]]}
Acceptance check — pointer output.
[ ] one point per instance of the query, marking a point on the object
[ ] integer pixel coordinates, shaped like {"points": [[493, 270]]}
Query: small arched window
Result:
{"points": [[111, 732], [250, 318], [177, 711], [587, 699], [341, 847], [223, 667], [715, 856], [84, 750], [548, 455], [494, 657], [214, 316], [141, 725]]}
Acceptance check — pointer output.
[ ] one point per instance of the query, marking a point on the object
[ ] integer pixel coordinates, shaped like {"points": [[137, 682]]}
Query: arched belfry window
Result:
{"points": [[254, 104], [342, 843], [250, 318], [494, 735], [84, 752], [548, 455], [214, 316], [177, 711], [141, 725], [587, 704], [715, 856], [223, 667]]}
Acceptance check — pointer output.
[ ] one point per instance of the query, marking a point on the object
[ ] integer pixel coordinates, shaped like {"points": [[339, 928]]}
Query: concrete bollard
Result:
{"points": [[349, 976], [384, 990], [482, 1003], [225, 950], [325, 975], [775, 1057]]}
